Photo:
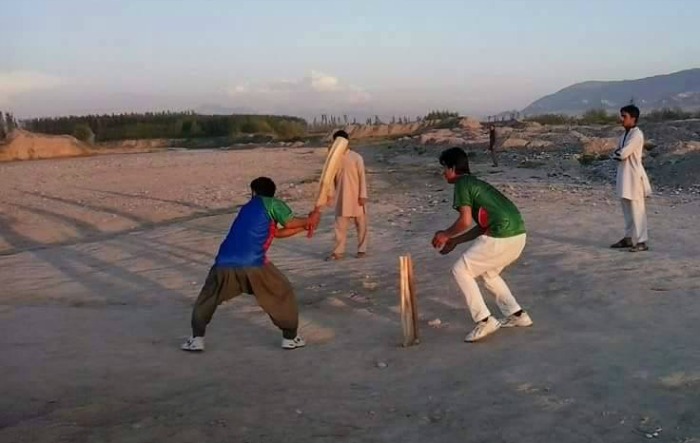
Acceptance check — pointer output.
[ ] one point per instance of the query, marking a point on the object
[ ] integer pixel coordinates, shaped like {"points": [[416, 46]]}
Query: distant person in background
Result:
{"points": [[492, 144], [632, 182], [350, 187]]}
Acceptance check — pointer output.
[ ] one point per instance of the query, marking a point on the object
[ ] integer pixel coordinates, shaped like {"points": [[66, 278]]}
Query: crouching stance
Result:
{"points": [[241, 266], [499, 239]]}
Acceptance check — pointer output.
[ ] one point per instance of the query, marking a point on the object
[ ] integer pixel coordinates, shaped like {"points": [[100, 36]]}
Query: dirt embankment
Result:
{"points": [[364, 132], [24, 145]]}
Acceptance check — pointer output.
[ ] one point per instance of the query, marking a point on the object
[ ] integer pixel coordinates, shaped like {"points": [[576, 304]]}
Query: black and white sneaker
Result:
{"points": [[296, 342], [193, 344]]}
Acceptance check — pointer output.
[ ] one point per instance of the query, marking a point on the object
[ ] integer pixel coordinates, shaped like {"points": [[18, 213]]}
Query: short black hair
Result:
{"points": [[341, 133], [455, 158], [263, 186], [632, 110]]}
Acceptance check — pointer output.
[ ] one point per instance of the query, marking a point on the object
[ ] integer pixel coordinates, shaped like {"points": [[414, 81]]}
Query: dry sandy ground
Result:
{"points": [[101, 258]]}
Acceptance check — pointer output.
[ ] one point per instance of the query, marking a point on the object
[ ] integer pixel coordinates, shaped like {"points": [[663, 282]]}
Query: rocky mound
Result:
{"points": [[672, 148], [677, 167]]}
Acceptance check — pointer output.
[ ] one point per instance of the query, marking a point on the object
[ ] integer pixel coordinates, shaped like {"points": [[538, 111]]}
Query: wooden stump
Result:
{"points": [[409, 308]]}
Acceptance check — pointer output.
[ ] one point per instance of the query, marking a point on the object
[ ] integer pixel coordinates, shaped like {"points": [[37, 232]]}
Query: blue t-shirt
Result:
{"points": [[252, 233]]}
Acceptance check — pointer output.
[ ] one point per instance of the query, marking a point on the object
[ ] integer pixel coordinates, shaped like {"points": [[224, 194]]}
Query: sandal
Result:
{"points": [[639, 247]]}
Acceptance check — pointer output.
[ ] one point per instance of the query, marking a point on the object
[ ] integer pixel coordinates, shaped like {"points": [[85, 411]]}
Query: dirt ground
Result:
{"points": [[101, 258]]}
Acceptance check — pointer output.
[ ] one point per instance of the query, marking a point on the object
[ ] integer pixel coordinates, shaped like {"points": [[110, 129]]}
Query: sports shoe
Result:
{"points": [[296, 342], [513, 321], [193, 344], [482, 329], [624, 243]]}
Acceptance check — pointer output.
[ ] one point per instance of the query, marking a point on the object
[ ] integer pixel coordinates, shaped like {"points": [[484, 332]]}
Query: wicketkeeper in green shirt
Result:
{"points": [[498, 237]]}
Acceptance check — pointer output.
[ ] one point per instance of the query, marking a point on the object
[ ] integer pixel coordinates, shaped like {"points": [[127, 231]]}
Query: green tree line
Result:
{"points": [[168, 125]]}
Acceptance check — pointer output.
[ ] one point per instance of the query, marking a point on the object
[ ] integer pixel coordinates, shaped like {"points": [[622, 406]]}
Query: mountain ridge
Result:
{"points": [[675, 90]]}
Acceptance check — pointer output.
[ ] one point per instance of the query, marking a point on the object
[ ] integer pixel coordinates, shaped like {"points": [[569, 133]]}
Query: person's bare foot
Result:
{"points": [[334, 257]]}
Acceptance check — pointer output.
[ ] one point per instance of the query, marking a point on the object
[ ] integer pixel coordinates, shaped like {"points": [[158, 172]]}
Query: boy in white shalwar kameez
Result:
{"points": [[632, 182]]}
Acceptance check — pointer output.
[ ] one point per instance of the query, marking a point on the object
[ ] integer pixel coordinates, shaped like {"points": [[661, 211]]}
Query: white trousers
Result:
{"points": [[486, 258], [635, 220]]}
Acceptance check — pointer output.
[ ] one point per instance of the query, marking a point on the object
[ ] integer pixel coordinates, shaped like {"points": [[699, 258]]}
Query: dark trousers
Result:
{"points": [[270, 287]]}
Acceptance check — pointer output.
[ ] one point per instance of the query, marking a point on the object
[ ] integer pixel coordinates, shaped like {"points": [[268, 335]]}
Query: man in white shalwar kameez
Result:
{"points": [[350, 191], [632, 182]]}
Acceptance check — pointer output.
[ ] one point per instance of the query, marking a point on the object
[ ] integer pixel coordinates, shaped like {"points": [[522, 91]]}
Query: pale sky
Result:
{"points": [[307, 57]]}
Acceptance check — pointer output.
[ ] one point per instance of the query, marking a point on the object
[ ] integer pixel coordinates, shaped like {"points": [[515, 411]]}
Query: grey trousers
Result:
{"points": [[341, 231]]}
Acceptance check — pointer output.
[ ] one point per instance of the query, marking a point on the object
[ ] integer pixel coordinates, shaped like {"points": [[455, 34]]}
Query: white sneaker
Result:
{"points": [[482, 329], [513, 321], [193, 344], [296, 342]]}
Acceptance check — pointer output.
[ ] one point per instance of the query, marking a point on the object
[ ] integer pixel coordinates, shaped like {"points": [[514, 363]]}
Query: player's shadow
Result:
{"points": [[200, 208], [86, 231], [87, 266]]}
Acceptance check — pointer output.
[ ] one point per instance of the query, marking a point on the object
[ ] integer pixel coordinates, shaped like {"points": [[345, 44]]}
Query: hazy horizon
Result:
{"points": [[310, 57]]}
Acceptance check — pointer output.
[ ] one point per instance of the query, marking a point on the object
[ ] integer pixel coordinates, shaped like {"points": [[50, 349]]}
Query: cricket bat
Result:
{"points": [[330, 169]]}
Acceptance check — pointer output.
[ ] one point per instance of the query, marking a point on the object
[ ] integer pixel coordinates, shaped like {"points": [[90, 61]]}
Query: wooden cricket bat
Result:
{"points": [[330, 169]]}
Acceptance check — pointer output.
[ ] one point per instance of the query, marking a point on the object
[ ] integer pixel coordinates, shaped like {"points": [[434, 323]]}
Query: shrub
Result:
{"points": [[441, 115], [668, 114], [551, 119], [597, 117], [447, 123], [83, 132]]}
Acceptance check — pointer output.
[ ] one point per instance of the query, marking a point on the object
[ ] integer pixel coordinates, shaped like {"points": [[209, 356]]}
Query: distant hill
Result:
{"points": [[678, 90]]}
